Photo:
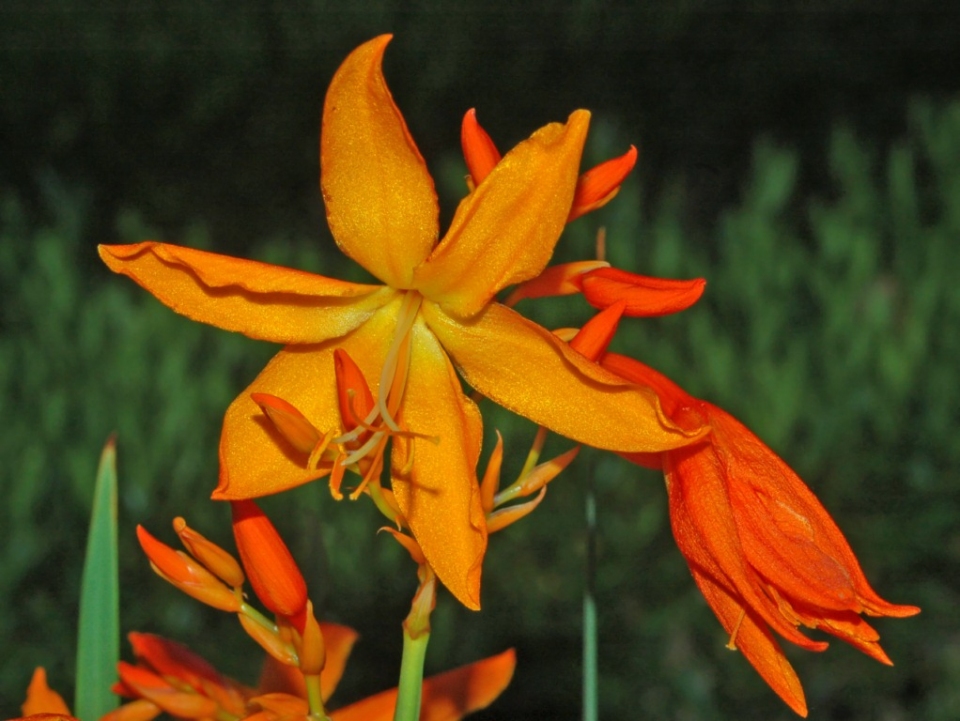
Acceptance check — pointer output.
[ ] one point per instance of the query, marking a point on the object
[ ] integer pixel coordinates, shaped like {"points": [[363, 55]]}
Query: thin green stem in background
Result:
{"points": [[98, 636], [590, 699]]}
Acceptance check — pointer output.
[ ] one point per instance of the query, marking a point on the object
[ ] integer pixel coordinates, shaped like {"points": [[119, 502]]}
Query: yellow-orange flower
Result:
{"points": [[434, 312], [762, 549]]}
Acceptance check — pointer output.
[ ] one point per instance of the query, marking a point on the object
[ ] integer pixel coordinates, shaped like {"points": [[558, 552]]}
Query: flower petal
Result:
{"points": [[479, 152], [439, 494], [41, 699], [645, 296], [280, 678], [448, 696], [704, 527], [786, 533], [504, 232], [755, 641], [599, 185], [381, 203], [524, 368], [263, 301], [255, 460]]}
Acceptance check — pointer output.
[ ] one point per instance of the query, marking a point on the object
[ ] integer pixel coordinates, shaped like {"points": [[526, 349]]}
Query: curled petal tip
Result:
{"points": [[599, 185], [645, 296], [479, 152]]}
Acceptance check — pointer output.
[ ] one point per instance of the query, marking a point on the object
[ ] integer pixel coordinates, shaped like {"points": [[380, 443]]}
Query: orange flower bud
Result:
{"points": [[217, 560], [353, 392], [179, 569], [289, 422], [271, 569], [500, 519], [312, 651], [175, 702], [269, 640], [599, 185]]}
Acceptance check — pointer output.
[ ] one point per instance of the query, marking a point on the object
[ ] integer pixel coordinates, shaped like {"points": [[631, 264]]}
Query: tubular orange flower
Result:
{"points": [[435, 311], [274, 575], [762, 549]]}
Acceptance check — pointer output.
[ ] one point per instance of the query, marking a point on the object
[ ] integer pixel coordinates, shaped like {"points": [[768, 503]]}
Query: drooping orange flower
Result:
{"points": [[434, 312], [761, 547]]}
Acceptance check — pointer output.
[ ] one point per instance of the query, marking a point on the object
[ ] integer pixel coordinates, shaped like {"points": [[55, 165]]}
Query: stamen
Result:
{"points": [[336, 479], [317, 453], [388, 376], [372, 473], [732, 643], [361, 449]]}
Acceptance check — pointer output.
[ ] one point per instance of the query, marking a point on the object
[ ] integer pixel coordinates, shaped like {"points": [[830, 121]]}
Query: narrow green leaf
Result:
{"points": [[98, 639]]}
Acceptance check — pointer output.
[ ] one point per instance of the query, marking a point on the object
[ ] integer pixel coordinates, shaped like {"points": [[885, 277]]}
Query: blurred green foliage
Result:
{"points": [[828, 326]]}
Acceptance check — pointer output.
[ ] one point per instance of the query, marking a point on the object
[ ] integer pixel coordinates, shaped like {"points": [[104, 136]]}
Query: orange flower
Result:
{"points": [[171, 678], [436, 310], [43, 701], [762, 549]]}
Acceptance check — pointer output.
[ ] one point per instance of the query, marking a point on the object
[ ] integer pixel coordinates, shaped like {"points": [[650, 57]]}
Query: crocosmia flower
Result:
{"points": [[762, 549], [434, 312]]}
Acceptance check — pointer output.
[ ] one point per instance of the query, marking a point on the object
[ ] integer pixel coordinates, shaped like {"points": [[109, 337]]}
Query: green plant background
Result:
{"points": [[810, 173]]}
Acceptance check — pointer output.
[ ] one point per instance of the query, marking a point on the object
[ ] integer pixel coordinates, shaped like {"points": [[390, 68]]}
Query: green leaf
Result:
{"points": [[98, 640]]}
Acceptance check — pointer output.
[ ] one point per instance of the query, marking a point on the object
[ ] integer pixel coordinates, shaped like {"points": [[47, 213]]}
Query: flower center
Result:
{"points": [[364, 445], [393, 381]]}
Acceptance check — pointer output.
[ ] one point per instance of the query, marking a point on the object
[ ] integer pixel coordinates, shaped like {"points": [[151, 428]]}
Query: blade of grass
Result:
{"points": [[98, 637]]}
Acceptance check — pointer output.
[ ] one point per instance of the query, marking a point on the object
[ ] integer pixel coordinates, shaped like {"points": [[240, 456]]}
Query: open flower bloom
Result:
{"points": [[170, 678], [762, 549], [434, 312]]}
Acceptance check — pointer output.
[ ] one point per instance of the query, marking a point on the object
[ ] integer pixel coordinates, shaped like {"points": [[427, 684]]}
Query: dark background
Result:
{"points": [[804, 157]]}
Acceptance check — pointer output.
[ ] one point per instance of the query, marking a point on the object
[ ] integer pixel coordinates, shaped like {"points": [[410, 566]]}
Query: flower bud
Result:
{"points": [[216, 559], [179, 569], [271, 569]]}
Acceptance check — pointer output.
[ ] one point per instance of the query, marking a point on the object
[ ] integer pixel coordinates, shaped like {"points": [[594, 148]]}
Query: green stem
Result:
{"points": [[411, 676], [590, 696], [315, 698]]}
